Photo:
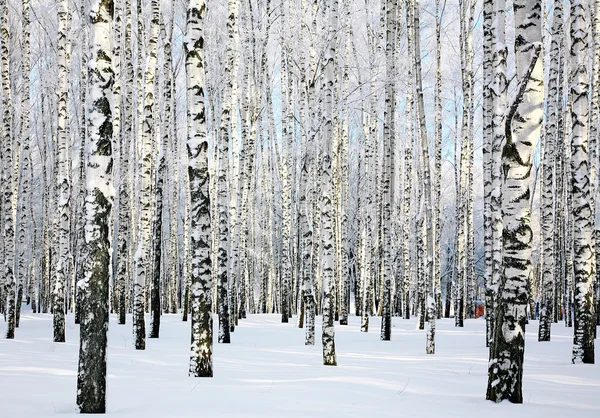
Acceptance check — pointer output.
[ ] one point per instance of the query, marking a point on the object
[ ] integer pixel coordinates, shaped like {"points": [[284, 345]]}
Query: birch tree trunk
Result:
{"points": [[391, 9], [584, 262], [287, 150], [123, 269], [488, 131], [91, 376], [26, 171], [327, 234], [499, 106], [7, 157], [197, 146], [437, 193], [408, 157], [234, 40], [151, 229], [523, 125], [62, 178], [222, 185], [548, 189], [429, 273], [80, 259]]}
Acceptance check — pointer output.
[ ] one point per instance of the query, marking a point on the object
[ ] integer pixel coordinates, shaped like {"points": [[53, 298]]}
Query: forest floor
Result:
{"points": [[267, 371]]}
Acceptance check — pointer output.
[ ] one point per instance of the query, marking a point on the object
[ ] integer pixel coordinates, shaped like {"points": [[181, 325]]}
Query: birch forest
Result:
{"points": [[369, 166]]}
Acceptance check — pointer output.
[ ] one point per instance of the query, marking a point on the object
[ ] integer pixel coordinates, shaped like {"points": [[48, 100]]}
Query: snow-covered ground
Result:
{"points": [[267, 371]]}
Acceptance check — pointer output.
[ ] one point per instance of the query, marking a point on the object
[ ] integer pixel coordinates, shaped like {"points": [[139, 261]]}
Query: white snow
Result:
{"points": [[267, 371]]}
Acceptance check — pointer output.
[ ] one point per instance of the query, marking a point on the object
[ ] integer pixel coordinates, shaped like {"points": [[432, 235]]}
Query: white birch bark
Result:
{"points": [[391, 9], [91, 376], [26, 171], [142, 255], [123, 268], [505, 372], [223, 189], [488, 46], [8, 169], [197, 146], [408, 157], [584, 262], [429, 273], [62, 177], [547, 221], [327, 234]]}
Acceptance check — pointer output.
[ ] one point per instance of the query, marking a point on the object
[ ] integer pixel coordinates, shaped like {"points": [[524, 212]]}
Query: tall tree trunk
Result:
{"points": [[499, 107], [287, 149], [523, 125], [327, 234], [123, 270], [197, 145], [222, 186], [408, 157], [437, 193], [62, 177], [153, 243], [391, 10], [548, 189], [27, 171], [429, 274], [91, 376], [584, 262], [7, 157], [488, 134]]}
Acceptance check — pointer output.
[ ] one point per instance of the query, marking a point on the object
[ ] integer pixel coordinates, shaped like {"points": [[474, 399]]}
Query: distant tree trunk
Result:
{"points": [[547, 222], [287, 149], [391, 10], [27, 171], [222, 185], [583, 217], [488, 134], [437, 193], [197, 145], [595, 120], [523, 125], [499, 107], [62, 178], [91, 376], [8, 202], [429, 273], [327, 234], [80, 257], [344, 185], [153, 256], [408, 157], [464, 217], [124, 236], [234, 62]]}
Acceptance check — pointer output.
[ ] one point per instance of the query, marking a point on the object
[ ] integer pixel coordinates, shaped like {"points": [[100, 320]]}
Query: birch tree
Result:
{"points": [[427, 189], [26, 209], [197, 148], [487, 111], [159, 288], [505, 371], [391, 7], [142, 255], [584, 262], [547, 221], [7, 157], [123, 268], [91, 375], [63, 176], [327, 235], [222, 184]]}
